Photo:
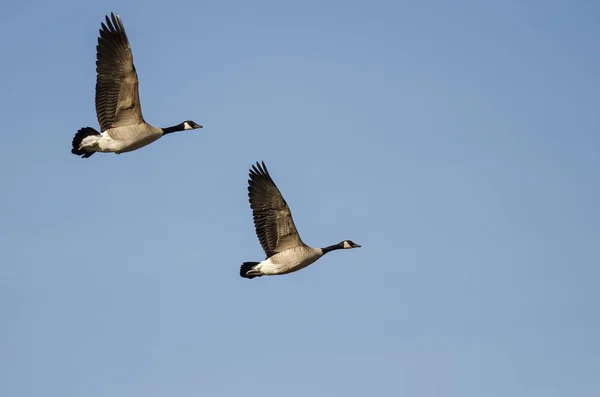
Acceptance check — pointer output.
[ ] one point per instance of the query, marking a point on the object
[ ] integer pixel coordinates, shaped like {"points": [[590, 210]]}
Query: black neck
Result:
{"points": [[332, 247], [175, 128]]}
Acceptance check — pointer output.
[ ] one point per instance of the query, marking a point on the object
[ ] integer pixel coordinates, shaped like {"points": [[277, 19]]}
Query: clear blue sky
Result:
{"points": [[457, 142]]}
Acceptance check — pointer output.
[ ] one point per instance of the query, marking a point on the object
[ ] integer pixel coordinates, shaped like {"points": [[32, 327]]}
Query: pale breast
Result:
{"points": [[295, 259], [135, 136], [134, 132]]}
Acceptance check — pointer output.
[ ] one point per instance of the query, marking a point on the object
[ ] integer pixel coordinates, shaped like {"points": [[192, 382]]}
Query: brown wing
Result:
{"points": [[272, 217], [117, 97]]}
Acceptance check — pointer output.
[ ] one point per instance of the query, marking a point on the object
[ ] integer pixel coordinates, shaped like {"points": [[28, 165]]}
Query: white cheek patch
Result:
{"points": [[346, 245], [186, 126]]}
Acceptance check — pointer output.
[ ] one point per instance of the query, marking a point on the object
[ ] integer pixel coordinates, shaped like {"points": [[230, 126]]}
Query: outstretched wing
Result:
{"points": [[272, 217], [117, 96]]}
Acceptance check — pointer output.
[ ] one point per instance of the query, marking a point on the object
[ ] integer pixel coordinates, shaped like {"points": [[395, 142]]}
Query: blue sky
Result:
{"points": [[457, 142]]}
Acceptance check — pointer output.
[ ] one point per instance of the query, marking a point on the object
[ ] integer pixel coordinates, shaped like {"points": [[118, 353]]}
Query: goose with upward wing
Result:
{"points": [[285, 251], [118, 109]]}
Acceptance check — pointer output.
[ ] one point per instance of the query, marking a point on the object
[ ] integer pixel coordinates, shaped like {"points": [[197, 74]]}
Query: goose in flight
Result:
{"points": [[117, 100], [285, 251]]}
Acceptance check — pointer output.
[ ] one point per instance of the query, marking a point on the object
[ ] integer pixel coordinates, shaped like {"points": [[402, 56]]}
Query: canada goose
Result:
{"points": [[117, 100], [286, 253]]}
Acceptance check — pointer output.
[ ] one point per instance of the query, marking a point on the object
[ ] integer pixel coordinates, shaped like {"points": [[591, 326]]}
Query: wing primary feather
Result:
{"points": [[117, 95], [273, 221]]}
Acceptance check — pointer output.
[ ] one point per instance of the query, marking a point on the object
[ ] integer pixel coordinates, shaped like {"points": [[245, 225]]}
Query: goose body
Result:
{"points": [[289, 261], [123, 128], [285, 251]]}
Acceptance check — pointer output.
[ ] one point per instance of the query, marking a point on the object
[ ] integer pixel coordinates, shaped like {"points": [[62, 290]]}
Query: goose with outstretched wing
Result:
{"points": [[285, 251], [118, 109]]}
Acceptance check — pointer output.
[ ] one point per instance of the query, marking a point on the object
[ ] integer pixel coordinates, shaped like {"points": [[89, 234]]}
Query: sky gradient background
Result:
{"points": [[456, 141]]}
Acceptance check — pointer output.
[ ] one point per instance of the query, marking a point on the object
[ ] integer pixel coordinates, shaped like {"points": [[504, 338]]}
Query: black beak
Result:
{"points": [[355, 246]]}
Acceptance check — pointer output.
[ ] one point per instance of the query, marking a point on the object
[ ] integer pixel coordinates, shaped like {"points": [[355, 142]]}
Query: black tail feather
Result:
{"points": [[81, 134], [247, 266]]}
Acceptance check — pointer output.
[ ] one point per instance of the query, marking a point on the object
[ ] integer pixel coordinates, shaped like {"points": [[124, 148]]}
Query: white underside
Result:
{"points": [[105, 143], [288, 261], [268, 268]]}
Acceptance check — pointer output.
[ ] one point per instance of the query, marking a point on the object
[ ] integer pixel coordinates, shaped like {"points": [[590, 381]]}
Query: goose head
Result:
{"points": [[347, 244], [186, 125], [190, 125]]}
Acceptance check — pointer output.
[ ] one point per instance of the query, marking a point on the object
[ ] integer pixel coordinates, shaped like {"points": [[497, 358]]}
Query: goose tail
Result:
{"points": [[246, 267], [78, 139]]}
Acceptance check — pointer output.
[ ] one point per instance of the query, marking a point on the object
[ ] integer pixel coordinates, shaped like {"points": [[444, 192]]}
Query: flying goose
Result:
{"points": [[117, 100], [286, 253]]}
